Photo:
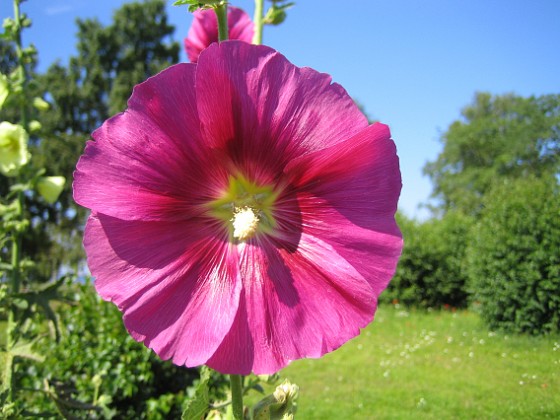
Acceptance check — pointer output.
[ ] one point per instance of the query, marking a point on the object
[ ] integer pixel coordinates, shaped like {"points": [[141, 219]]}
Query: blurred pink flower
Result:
{"points": [[204, 30], [242, 212]]}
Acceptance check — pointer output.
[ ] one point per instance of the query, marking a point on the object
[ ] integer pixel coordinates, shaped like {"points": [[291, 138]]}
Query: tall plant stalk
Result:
{"points": [[15, 275]]}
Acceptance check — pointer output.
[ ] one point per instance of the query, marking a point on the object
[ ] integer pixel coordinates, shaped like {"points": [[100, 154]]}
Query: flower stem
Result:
{"points": [[259, 23], [21, 65], [221, 14], [237, 396], [7, 383]]}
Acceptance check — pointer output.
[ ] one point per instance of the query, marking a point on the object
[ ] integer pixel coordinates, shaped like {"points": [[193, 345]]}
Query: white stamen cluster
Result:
{"points": [[245, 223]]}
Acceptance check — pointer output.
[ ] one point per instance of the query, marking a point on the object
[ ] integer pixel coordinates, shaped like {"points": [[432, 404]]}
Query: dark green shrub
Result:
{"points": [[430, 271], [515, 257]]}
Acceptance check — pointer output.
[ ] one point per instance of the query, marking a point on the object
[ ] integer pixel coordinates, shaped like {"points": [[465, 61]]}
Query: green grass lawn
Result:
{"points": [[424, 365]]}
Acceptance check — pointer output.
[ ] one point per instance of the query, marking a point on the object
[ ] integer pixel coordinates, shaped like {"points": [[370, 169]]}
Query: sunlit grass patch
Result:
{"points": [[437, 364]]}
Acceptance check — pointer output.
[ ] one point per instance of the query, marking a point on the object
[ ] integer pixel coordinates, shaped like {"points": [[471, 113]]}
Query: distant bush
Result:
{"points": [[430, 272], [514, 257]]}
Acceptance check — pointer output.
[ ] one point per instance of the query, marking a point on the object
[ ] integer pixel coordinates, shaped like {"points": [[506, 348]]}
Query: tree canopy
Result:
{"points": [[94, 85], [498, 137]]}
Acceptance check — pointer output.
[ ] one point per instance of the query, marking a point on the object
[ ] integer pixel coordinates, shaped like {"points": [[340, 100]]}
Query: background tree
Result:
{"points": [[95, 84], [8, 58], [499, 137]]}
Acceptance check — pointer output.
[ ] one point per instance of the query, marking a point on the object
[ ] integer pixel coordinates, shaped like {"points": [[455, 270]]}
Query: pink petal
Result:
{"points": [[360, 177], [204, 30], [265, 111], [294, 305], [147, 164], [187, 291], [240, 25], [180, 302], [347, 195]]}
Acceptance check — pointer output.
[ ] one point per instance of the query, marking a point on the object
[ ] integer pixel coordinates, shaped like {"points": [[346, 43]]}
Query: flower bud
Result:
{"points": [[4, 89], [280, 405], [286, 393], [34, 126], [41, 104], [97, 380], [13, 148], [50, 187]]}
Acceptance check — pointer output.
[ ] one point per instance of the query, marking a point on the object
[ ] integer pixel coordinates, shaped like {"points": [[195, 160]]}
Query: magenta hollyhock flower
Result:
{"points": [[242, 212], [204, 30]]}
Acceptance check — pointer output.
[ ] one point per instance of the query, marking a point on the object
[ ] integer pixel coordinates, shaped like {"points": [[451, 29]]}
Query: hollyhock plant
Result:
{"points": [[13, 148], [242, 211], [204, 30]]}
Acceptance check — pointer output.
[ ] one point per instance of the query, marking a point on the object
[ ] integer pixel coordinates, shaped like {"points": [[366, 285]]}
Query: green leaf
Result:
{"points": [[25, 351], [196, 4], [198, 406], [43, 297]]}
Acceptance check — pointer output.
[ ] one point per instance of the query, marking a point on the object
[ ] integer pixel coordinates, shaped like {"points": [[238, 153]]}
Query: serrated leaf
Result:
{"points": [[43, 297], [25, 351], [198, 405]]}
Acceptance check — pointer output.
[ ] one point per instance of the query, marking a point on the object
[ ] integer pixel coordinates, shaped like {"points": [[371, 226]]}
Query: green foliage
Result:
{"points": [[24, 302], [8, 60], [198, 405], [97, 370], [430, 273], [98, 80], [499, 137], [514, 257], [194, 5], [96, 84]]}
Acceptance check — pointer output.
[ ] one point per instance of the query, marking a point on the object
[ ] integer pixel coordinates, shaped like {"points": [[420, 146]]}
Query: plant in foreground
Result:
{"points": [[242, 212], [24, 302], [242, 215]]}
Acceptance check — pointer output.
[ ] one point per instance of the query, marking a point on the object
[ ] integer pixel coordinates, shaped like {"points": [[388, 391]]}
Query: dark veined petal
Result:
{"points": [[265, 111], [147, 163], [176, 284], [348, 197]]}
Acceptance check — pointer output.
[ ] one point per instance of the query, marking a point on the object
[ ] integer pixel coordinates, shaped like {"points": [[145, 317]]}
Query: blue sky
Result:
{"points": [[413, 64]]}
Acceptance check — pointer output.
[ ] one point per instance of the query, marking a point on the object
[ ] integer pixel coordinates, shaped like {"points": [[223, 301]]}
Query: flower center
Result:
{"points": [[245, 208], [245, 223]]}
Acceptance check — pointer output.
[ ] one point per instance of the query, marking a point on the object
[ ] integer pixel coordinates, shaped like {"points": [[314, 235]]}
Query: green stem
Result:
{"points": [[21, 65], [7, 385], [237, 396], [221, 14], [259, 23]]}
